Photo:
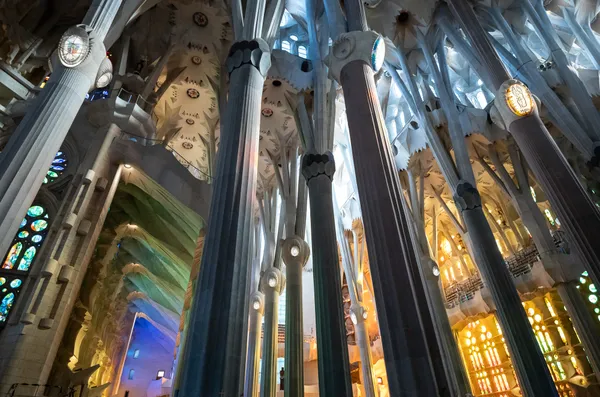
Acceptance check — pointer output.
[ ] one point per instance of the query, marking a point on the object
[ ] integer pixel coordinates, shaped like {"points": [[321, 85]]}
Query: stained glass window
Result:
{"points": [[20, 256], [58, 166], [302, 52]]}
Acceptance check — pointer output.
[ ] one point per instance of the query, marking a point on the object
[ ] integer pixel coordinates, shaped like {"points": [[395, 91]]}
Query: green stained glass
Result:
{"points": [[16, 283], [37, 238], [13, 254], [27, 258], [35, 211], [23, 234], [52, 174], [39, 225], [2, 280], [45, 180], [5, 306]]}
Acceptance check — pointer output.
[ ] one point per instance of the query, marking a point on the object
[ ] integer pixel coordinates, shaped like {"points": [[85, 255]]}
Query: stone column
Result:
{"points": [[584, 322], [529, 363], [333, 362], [31, 149], [253, 352], [576, 211], [295, 253], [407, 358], [272, 283], [207, 344]]}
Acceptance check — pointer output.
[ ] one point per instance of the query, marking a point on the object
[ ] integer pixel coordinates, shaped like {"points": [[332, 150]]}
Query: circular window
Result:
{"points": [[193, 93], [200, 19]]}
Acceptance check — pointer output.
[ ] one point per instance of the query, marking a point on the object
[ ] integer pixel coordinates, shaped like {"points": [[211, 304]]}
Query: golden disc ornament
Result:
{"points": [[519, 99]]}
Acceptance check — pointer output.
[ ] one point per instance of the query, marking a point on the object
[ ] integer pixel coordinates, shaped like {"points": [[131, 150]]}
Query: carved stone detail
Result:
{"points": [[255, 53], [314, 165], [466, 196]]}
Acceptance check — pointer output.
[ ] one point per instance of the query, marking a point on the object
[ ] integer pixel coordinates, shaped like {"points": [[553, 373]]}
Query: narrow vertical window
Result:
{"points": [[286, 46], [302, 52], [131, 374], [136, 353]]}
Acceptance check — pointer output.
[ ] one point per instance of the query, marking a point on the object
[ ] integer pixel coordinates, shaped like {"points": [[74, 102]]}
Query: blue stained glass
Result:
{"points": [[23, 234], [37, 238], [27, 259], [35, 211], [59, 161], [39, 225], [16, 283], [23, 222], [59, 164], [58, 168], [2, 280], [58, 153], [5, 306]]}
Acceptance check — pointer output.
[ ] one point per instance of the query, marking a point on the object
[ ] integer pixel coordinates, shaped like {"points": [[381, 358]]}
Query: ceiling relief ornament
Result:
{"points": [[193, 93], [267, 112], [196, 60], [200, 19]]}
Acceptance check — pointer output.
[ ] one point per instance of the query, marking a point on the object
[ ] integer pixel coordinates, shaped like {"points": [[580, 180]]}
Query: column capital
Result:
{"points": [[254, 53], [466, 197], [513, 101], [314, 164], [358, 313], [90, 58], [295, 250], [368, 47], [258, 301], [274, 279]]}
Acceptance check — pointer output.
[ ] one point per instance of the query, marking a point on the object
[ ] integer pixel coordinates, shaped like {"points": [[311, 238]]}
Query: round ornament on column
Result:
{"points": [[74, 46]]}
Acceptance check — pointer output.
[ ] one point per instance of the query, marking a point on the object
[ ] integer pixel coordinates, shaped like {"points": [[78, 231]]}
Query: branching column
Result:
{"points": [[406, 353], [579, 217], [254, 337], [334, 370], [228, 227], [295, 253], [273, 283], [31, 149]]}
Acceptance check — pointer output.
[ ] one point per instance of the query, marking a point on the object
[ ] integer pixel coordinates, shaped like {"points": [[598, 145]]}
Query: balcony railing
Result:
{"points": [[519, 264]]}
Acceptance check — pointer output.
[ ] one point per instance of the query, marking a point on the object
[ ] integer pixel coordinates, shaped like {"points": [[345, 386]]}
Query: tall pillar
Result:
{"points": [[207, 343], [295, 253], [584, 322], [253, 351], [530, 365], [406, 352], [333, 362], [576, 211], [273, 283], [31, 149]]}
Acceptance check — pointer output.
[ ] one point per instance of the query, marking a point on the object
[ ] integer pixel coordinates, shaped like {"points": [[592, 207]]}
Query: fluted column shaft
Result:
{"points": [[272, 286], [528, 361], [584, 322], [407, 359], [31, 149], [333, 362], [295, 253], [253, 351], [207, 344], [576, 211]]}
